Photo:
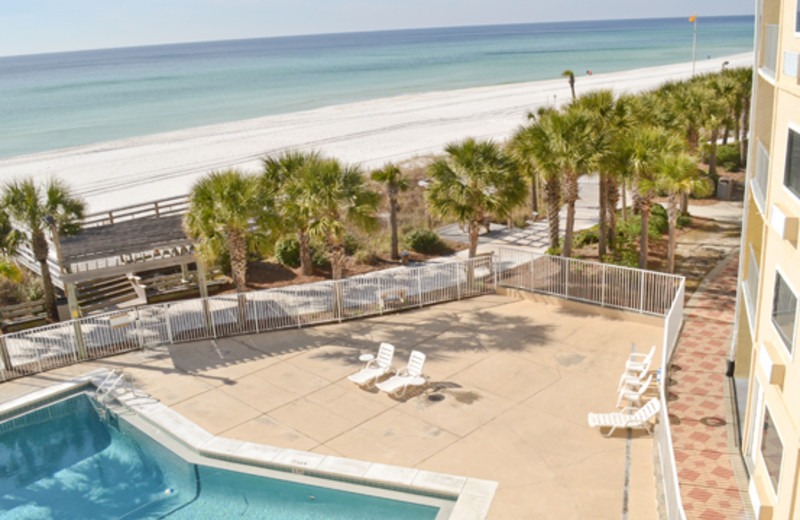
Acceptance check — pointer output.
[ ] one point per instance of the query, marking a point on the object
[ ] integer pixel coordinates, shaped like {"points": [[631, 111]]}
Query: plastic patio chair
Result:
{"points": [[640, 419], [411, 375], [634, 395], [375, 368], [639, 364]]}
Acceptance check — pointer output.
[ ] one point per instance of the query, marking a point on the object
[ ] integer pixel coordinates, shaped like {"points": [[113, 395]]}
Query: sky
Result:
{"points": [[39, 26]]}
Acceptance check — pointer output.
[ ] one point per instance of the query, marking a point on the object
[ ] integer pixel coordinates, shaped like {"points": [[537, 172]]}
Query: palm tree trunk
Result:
{"points": [[612, 192], [672, 217], [534, 195], [393, 225], [40, 253], [552, 188], [567, 251], [624, 202], [644, 206], [712, 156], [306, 265], [745, 129], [684, 203], [725, 132], [693, 136], [237, 247], [601, 246], [570, 197], [337, 260], [474, 227], [572, 86]]}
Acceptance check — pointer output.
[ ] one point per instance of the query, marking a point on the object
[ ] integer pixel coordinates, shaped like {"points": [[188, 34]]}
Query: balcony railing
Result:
{"points": [[759, 183], [751, 289], [769, 59]]}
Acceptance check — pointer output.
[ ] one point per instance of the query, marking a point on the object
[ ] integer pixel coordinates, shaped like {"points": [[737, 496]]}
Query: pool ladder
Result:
{"points": [[113, 381]]}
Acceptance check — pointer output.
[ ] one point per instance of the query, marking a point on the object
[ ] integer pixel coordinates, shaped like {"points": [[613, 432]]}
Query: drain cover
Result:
{"points": [[436, 397]]}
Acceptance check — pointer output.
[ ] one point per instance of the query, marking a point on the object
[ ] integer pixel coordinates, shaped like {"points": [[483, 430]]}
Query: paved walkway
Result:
{"points": [[698, 403]]}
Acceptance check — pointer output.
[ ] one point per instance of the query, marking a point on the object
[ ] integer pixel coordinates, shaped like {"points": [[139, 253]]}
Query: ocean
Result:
{"points": [[53, 101]]}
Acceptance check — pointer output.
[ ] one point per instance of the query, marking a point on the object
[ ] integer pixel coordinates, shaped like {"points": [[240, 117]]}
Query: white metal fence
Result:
{"points": [[614, 286], [647, 292], [60, 344]]}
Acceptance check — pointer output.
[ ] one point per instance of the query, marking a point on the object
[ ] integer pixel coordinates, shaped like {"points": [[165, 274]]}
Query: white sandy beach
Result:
{"points": [[130, 171]]}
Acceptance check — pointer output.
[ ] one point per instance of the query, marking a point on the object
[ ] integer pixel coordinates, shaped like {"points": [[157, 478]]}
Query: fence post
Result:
{"points": [[338, 300], [4, 353], [458, 280], [641, 292], [76, 327], [603, 288], [210, 316], [419, 285], [139, 331], [568, 264], [169, 325]]}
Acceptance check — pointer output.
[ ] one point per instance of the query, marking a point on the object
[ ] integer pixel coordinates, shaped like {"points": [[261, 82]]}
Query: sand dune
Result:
{"points": [[129, 171]]}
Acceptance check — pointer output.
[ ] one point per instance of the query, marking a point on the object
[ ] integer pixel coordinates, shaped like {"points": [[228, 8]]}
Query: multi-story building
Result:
{"points": [[766, 331]]}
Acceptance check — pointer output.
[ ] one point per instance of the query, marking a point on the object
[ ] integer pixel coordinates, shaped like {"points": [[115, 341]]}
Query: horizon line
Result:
{"points": [[300, 35]]}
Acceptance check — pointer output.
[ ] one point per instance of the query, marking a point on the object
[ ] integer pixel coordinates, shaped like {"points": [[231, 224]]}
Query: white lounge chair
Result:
{"points": [[631, 380], [411, 375], [624, 419], [639, 364], [375, 368], [634, 394]]}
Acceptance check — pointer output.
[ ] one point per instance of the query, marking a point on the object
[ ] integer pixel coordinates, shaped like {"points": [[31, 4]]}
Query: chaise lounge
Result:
{"points": [[375, 367]]}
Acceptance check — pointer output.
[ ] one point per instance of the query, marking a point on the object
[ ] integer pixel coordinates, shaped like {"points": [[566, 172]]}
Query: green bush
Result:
{"points": [[351, 244], [425, 241], [683, 220], [586, 237], [365, 257], [728, 156], [287, 252], [658, 222]]}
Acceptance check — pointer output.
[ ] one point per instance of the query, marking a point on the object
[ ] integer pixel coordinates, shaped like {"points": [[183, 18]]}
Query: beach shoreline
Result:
{"points": [[140, 169]]}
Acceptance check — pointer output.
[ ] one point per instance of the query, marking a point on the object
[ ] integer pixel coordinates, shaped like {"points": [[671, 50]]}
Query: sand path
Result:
{"points": [[134, 170]]}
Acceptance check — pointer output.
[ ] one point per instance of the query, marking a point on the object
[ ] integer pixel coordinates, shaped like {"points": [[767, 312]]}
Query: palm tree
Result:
{"points": [[35, 208], [286, 179], [537, 143], [678, 175], [337, 196], [229, 212], [646, 149], [391, 177], [571, 78], [474, 180], [606, 119]]}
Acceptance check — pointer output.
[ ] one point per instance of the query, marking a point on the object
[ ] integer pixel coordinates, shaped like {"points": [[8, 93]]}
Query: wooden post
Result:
{"points": [[75, 314]]}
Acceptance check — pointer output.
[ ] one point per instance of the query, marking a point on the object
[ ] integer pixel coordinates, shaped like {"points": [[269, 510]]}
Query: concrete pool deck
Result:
{"points": [[518, 378]]}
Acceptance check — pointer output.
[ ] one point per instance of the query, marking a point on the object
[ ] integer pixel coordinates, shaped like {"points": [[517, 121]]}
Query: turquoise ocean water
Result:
{"points": [[51, 101]]}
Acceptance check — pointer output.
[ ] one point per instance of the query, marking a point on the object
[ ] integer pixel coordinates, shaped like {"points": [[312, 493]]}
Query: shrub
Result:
{"points": [[586, 237], [728, 156], [365, 257], [351, 244], [424, 241], [287, 252], [683, 220], [658, 222]]}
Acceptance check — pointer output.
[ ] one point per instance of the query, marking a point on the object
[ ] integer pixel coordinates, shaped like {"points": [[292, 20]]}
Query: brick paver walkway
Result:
{"points": [[697, 405]]}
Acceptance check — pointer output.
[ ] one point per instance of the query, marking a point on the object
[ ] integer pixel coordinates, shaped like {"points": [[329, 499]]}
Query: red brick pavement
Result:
{"points": [[696, 403]]}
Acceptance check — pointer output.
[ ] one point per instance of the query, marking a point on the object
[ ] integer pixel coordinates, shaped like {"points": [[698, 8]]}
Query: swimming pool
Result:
{"points": [[63, 461]]}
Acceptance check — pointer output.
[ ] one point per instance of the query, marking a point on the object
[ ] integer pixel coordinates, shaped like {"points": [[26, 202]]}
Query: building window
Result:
{"points": [[771, 450], [784, 311], [791, 178]]}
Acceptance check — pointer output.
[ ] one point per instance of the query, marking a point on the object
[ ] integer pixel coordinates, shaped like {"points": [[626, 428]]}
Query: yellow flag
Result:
{"points": [[693, 18]]}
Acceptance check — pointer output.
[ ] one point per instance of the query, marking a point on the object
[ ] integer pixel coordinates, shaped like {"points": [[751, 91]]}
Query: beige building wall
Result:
{"points": [[771, 438]]}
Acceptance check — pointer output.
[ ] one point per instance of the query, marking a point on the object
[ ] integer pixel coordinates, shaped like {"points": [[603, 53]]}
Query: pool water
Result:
{"points": [[64, 462]]}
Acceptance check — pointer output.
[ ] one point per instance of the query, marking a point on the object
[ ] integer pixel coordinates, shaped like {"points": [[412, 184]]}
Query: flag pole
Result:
{"points": [[694, 43]]}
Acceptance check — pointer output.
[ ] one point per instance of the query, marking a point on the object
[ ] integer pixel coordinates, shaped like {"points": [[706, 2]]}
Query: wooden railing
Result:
{"points": [[157, 208]]}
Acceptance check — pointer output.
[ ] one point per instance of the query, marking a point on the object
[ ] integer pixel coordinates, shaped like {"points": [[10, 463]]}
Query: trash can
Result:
{"points": [[404, 257], [724, 188]]}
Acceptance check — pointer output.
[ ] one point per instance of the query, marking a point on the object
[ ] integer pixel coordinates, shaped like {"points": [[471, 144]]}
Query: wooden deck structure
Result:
{"points": [[121, 242]]}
